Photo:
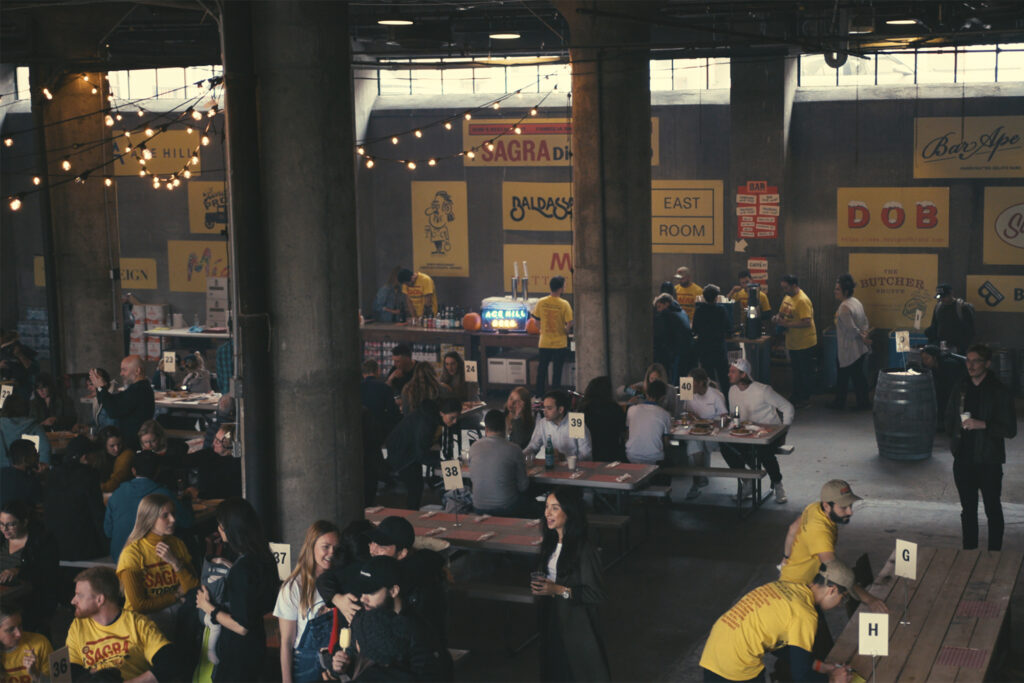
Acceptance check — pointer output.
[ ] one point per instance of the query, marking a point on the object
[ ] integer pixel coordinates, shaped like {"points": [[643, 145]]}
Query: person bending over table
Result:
{"points": [[409, 444], [811, 540], [133, 646], [155, 568], [25, 656], [760, 404], [555, 426], [778, 617], [499, 473], [707, 403]]}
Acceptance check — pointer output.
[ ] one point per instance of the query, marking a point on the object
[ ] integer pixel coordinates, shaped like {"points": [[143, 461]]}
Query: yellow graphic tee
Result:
{"points": [[687, 297], [419, 292], [150, 584], [554, 313], [767, 618], [13, 669], [128, 644], [795, 308], [817, 534]]}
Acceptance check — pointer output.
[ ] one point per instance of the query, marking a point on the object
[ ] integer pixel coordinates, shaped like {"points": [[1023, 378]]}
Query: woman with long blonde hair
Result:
{"points": [[154, 567], [304, 619]]}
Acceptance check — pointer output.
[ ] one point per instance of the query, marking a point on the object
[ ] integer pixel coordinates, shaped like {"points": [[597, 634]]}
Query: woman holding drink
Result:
{"points": [[569, 583]]}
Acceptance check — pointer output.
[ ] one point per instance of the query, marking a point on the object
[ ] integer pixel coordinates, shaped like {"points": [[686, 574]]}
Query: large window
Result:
{"points": [[926, 65], [137, 84]]}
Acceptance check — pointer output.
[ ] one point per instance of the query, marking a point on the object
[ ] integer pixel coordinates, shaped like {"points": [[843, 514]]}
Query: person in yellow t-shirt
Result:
{"points": [[688, 292], [778, 617], [104, 636], [418, 289], [796, 315], [739, 293], [25, 655], [555, 316], [155, 568]]}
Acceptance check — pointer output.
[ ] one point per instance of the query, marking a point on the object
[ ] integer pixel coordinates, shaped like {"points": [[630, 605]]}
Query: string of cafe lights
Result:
{"points": [[191, 116]]}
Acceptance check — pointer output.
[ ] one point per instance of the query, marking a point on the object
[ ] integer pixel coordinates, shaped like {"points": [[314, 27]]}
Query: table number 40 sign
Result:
{"points": [[685, 388]]}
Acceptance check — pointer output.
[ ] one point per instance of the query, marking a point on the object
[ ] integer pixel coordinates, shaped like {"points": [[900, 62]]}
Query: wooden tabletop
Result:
{"points": [[623, 476], [767, 434], [483, 532], [183, 332], [957, 608], [191, 402]]}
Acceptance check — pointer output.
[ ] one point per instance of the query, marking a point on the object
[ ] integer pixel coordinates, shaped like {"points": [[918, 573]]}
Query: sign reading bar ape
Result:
{"points": [[892, 216], [171, 150], [969, 147], [686, 216], [1004, 225], [893, 287], [543, 262], [539, 142], [440, 228], [536, 206]]}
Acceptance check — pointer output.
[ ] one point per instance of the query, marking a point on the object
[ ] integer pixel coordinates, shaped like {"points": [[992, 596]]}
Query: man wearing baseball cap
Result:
{"points": [[952, 321], [760, 404], [811, 540], [780, 617]]}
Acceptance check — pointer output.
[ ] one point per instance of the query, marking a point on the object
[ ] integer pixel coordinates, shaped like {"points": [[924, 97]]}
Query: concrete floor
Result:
{"points": [[699, 557]]}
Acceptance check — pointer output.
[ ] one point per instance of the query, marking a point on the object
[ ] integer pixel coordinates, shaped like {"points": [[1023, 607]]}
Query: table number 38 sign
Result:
{"points": [[60, 666], [452, 473]]}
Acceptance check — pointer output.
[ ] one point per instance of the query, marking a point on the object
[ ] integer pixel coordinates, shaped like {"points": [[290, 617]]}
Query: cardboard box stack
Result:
{"points": [[34, 331], [156, 316], [217, 302]]}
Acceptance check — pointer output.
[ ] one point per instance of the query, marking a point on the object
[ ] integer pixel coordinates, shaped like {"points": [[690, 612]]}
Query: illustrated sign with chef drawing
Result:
{"points": [[892, 216], [440, 229]]}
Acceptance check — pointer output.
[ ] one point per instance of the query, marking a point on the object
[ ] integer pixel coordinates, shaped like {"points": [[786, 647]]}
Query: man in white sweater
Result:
{"points": [[760, 404]]}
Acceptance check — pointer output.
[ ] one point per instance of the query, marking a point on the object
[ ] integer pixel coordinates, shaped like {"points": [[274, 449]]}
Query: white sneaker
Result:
{"points": [[746, 490], [780, 494]]}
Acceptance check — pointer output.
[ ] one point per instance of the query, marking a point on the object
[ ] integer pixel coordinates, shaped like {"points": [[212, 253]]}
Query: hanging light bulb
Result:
{"points": [[517, 130], [147, 154], [142, 173], [110, 97], [394, 140], [108, 120], [490, 146], [471, 154], [108, 181], [418, 133], [176, 182], [187, 173], [15, 203], [197, 115], [66, 164], [432, 162], [85, 77], [140, 113], [447, 125], [142, 162], [496, 105], [128, 148], [156, 183], [205, 140], [8, 142], [127, 133], [169, 186], [468, 116], [533, 112], [119, 117], [411, 165], [150, 132], [360, 151], [369, 162], [94, 90], [188, 130], [47, 94], [212, 111], [37, 180], [194, 160]]}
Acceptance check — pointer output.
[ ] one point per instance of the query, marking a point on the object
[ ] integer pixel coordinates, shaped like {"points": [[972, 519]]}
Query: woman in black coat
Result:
{"points": [[606, 420], [28, 554], [570, 584], [711, 327]]}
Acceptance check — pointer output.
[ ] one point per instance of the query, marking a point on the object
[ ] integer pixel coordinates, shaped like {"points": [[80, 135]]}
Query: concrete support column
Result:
{"points": [[82, 244], [303, 67], [611, 147], [761, 102]]}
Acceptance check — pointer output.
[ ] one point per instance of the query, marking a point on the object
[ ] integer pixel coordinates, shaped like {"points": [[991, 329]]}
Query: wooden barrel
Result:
{"points": [[904, 415]]}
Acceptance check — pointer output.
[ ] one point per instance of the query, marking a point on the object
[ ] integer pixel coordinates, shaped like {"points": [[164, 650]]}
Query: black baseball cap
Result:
{"points": [[379, 572], [943, 290], [396, 531]]}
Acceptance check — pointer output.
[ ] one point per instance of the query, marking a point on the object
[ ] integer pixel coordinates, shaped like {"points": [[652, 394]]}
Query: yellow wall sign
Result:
{"points": [[138, 273], [1004, 225], [207, 207], [969, 147], [686, 217], [190, 262], [996, 293], [39, 271], [893, 287], [440, 228], [892, 216], [171, 150], [540, 142], [543, 262], [536, 206]]}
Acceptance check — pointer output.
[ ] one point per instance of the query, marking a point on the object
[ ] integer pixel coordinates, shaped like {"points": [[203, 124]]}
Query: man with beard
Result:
{"points": [[107, 643], [811, 542]]}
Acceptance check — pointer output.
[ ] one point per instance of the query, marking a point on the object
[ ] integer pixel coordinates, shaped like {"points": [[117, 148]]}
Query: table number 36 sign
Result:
{"points": [[60, 666]]}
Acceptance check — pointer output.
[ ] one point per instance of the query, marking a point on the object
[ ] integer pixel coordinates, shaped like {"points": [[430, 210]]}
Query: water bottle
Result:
{"points": [[549, 455], [736, 416]]}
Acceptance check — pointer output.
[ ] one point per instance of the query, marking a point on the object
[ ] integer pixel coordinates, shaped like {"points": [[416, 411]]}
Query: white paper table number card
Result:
{"points": [[577, 426], [874, 634], [685, 388], [452, 473], [283, 557], [471, 371], [906, 559]]}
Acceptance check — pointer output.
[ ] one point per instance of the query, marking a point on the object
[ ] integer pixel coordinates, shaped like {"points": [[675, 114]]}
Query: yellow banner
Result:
{"points": [[171, 150], [543, 262], [536, 206], [207, 207], [540, 142], [892, 216], [138, 273], [1004, 225], [969, 147], [440, 228], [893, 287], [996, 293], [686, 217], [39, 271], [189, 263]]}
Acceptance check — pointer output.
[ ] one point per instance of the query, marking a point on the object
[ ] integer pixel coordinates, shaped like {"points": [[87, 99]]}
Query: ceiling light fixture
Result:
{"points": [[504, 36], [902, 22], [394, 21]]}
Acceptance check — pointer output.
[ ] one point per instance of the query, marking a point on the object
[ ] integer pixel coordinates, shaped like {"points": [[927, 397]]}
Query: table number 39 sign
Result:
{"points": [[685, 388], [60, 666], [452, 473], [282, 553], [577, 426]]}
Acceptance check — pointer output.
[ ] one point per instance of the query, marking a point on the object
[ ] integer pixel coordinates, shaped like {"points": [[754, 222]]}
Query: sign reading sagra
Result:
{"points": [[969, 147]]}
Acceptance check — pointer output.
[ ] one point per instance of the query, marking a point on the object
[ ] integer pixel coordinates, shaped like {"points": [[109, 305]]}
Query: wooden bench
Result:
{"points": [[656, 494], [729, 473], [617, 523]]}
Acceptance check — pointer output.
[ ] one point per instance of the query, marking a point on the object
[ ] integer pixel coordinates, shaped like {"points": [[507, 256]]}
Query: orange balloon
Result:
{"points": [[471, 322], [532, 326]]}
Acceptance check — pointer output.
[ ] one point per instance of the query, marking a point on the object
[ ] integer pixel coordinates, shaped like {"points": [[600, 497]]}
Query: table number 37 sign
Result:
{"points": [[282, 553]]}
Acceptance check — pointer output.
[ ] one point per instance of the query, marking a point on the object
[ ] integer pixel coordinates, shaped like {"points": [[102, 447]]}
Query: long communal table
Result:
{"points": [[957, 612], [202, 403], [479, 532]]}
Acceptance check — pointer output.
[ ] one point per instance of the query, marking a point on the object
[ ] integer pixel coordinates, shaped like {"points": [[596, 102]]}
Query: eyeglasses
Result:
{"points": [[9, 525]]}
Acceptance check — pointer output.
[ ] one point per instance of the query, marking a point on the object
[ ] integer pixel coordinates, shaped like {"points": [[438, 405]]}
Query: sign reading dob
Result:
{"points": [[892, 216]]}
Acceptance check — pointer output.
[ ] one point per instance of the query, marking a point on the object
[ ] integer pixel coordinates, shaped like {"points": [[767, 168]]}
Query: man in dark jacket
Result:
{"points": [[672, 336], [131, 407], [380, 415], [409, 444], [947, 369], [19, 480], [952, 320], [74, 505], [979, 417]]}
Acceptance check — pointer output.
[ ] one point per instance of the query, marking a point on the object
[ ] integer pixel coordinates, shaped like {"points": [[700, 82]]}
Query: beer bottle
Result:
{"points": [[549, 455]]}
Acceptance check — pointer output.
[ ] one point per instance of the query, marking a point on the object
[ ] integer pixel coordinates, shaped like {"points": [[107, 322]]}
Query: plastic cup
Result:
{"points": [[570, 461]]}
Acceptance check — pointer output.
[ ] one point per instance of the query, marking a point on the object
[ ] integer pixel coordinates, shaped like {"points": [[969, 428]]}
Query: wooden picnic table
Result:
{"points": [[765, 436], [481, 532], [192, 402], [957, 609]]}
